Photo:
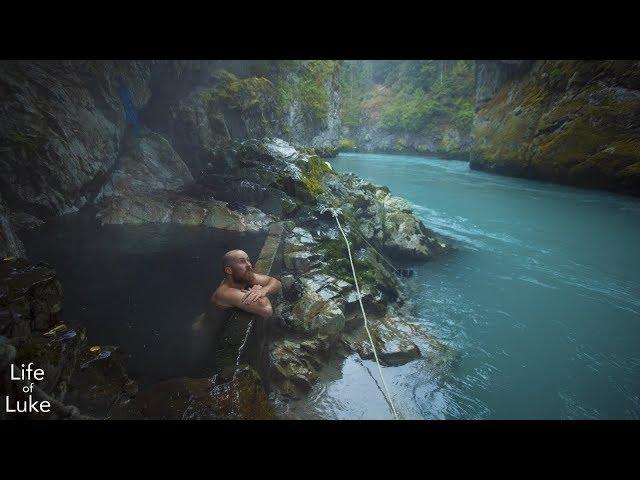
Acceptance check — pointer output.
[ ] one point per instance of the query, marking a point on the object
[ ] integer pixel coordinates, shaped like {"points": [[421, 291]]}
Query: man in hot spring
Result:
{"points": [[243, 288]]}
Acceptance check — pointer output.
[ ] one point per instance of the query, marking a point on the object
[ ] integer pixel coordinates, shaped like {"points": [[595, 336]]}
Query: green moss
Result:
{"points": [[28, 142], [577, 140], [631, 170], [373, 189], [383, 220], [450, 142], [503, 142], [534, 95], [19, 137], [306, 82], [360, 202], [558, 74], [316, 169], [400, 144], [628, 147], [346, 144], [252, 93], [618, 156], [368, 270]]}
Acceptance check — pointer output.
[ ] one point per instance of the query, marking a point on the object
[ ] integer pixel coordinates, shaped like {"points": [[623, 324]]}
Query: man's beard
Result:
{"points": [[244, 277]]}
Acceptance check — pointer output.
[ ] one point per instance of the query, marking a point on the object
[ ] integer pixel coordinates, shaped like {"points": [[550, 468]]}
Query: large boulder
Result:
{"points": [[314, 313], [299, 254], [399, 340], [99, 384], [148, 163]]}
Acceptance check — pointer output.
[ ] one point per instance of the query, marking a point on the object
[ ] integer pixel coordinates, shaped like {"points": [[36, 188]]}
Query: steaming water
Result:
{"points": [[541, 301], [140, 287]]}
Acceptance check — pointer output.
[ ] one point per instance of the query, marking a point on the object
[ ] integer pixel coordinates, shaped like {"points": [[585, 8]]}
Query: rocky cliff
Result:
{"points": [[445, 141], [572, 122]]}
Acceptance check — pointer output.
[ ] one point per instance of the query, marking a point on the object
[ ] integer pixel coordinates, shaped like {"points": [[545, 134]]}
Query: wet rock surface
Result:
{"points": [[10, 243], [242, 398], [320, 316], [148, 163], [30, 298], [394, 340], [384, 220], [164, 206], [317, 317]]}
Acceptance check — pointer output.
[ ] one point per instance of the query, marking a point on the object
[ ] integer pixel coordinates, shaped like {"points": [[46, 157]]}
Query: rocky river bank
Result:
{"points": [[142, 142], [316, 318]]}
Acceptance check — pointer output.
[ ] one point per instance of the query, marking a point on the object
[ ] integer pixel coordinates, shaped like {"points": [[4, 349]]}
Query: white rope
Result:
{"points": [[366, 325], [360, 234]]}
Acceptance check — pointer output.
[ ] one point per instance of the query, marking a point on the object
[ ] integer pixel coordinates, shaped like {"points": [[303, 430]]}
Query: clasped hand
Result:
{"points": [[253, 294]]}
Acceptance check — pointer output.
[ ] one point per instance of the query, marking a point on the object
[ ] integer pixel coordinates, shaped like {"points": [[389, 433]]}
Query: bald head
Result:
{"points": [[236, 264], [230, 257]]}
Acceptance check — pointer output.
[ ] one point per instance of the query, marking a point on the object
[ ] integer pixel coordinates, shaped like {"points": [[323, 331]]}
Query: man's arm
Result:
{"points": [[263, 285], [235, 297], [269, 284]]}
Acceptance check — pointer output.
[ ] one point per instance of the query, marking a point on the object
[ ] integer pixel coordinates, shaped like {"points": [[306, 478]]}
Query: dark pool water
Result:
{"points": [[541, 300], [140, 287]]}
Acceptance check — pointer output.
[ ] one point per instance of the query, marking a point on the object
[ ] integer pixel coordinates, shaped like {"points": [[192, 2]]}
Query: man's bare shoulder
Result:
{"points": [[226, 296]]}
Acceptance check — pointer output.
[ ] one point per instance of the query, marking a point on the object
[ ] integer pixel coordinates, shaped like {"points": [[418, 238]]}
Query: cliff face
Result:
{"points": [[444, 140], [62, 127], [572, 122], [301, 127], [66, 129]]}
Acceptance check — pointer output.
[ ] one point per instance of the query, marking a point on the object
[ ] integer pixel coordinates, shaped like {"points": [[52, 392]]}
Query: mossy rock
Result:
{"points": [[346, 144], [313, 174]]}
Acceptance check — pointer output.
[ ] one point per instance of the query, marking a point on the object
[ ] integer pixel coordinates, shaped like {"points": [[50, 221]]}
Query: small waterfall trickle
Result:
{"points": [[241, 349]]}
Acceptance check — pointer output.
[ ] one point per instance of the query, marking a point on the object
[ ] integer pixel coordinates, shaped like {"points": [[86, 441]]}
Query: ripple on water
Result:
{"points": [[541, 299]]}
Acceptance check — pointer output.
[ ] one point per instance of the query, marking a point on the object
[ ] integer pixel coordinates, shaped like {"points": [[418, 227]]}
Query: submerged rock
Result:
{"points": [[394, 341], [242, 398]]}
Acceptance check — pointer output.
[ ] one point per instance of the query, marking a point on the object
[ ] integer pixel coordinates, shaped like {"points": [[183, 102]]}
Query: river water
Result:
{"points": [[541, 300]]}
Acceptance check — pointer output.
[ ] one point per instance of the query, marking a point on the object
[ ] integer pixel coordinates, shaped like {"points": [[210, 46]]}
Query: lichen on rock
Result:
{"points": [[571, 122]]}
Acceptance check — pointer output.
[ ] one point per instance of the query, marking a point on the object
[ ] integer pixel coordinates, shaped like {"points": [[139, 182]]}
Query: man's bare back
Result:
{"points": [[243, 288]]}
